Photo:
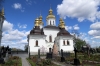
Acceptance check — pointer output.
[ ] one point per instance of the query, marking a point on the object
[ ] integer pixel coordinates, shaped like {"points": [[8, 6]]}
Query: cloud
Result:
{"points": [[18, 6], [95, 26], [7, 26], [68, 27], [22, 26], [13, 37], [76, 27], [95, 30], [29, 2], [81, 9]]}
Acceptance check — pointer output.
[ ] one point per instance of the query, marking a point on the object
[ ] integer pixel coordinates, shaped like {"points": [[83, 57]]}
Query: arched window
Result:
{"points": [[67, 42], [53, 22], [50, 38], [50, 22], [63, 42], [36, 42]]}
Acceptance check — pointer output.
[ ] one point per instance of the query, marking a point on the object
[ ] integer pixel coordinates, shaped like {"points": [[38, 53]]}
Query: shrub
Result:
{"points": [[15, 57], [32, 63], [47, 62]]}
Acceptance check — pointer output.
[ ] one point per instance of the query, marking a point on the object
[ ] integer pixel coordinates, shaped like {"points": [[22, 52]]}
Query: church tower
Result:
{"points": [[51, 18], [36, 39], [1, 23], [40, 22], [64, 39]]}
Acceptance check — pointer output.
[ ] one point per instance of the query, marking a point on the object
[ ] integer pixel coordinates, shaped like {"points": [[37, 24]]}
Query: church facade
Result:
{"points": [[44, 37]]}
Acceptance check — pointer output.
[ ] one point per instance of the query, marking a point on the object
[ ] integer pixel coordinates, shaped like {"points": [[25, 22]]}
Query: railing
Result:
{"points": [[19, 52]]}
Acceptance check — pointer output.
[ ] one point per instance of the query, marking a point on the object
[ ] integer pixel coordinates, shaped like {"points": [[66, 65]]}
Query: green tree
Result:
{"points": [[79, 43], [26, 47]]}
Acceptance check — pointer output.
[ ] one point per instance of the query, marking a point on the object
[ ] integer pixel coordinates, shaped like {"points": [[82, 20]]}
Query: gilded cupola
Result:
{"points": [[63, 31], [2, 12], [62, 24], [40, 20], [37, 22], [50, 15]]}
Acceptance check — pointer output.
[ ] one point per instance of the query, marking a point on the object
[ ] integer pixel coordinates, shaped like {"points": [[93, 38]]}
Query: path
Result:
{"points": [[23, 57]]}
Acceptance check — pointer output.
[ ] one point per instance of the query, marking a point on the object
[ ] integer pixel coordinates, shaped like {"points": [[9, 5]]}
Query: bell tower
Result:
{"points": [[2, 18], [51, 18]]}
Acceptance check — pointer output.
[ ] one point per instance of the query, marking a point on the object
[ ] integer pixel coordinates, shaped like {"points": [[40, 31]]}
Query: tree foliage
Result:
{"points": [[79, 43], [26, 47]]}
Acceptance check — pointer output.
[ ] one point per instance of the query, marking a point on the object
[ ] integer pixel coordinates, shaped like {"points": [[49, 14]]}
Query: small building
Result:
{"points": [[43, 37]]}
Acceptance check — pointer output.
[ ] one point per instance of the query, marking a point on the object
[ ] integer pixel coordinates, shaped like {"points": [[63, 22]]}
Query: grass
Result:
{"points": [[13, 61], [83, 58], [30, 61], [42, 62]]}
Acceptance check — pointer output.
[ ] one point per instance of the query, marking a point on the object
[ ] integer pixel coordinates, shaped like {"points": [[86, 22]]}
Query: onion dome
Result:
{"points": [[63, 31], [50, 14], [37, 22], [62, 24], [2, 12], [40, 20], [36, 30]]}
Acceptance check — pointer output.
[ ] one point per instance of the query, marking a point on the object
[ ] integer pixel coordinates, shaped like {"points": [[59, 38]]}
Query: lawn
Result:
{"points": [[42, 62], [13, 61], [85, 60]]}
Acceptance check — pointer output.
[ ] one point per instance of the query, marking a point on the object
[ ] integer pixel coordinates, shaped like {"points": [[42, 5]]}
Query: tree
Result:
{"points": [[26, 47], [78, 43]]}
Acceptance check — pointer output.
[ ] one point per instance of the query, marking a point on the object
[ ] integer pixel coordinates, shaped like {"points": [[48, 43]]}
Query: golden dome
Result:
{"points": [[40, 17], [2, 12], [50, 10], [61, 19], [40, 20], [62, 24], [37, 22], [40, 23], [50, 14]]}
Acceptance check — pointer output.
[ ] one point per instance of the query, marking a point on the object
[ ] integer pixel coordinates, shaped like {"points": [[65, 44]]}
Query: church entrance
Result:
{"points": [[50, 50]]}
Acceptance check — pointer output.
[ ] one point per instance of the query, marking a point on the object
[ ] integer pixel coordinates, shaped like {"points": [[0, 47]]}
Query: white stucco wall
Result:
{"points": [[41, 26], [41, 43], [51, 32], [66, 48], [51, 19]]}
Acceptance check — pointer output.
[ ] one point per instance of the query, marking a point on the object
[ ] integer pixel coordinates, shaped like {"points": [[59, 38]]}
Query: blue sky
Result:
{"points": [[80, 15]]}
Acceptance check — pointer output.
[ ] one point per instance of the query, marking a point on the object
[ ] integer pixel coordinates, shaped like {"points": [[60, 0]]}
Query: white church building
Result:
{"points": [[44, 37]]}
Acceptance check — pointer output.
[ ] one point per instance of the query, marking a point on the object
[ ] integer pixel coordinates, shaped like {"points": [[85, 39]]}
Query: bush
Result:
{"points": [[47, 62], [15, 57], [32, 63]]}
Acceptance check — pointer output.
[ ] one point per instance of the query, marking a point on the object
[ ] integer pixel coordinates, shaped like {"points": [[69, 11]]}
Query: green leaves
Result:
{"points": [[79, 43]]}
